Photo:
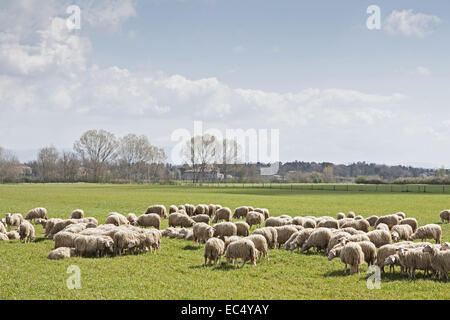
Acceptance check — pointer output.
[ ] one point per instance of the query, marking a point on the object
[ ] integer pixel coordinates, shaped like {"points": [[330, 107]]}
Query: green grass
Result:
{"points": [[176, 272]]}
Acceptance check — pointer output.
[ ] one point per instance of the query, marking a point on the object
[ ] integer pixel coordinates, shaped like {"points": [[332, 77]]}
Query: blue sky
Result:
{"points": [[336, 90]]}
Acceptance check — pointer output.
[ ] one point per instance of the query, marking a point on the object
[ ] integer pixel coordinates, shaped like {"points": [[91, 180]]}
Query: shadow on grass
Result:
{"points": [[37, 240], [223, 266], [192, 247]]}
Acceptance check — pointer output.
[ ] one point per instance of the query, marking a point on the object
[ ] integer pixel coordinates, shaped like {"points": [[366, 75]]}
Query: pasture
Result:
{"points": [[177, 271]]}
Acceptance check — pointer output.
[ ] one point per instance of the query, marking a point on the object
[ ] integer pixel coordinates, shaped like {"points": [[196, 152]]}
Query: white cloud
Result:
{"points": [[408, 23], [423, 71], [239, 49]]}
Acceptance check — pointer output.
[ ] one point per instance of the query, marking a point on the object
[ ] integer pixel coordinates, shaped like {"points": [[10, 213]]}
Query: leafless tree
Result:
{"points": [[47, 164], [201, 152], [69, 166], [10, 170]]}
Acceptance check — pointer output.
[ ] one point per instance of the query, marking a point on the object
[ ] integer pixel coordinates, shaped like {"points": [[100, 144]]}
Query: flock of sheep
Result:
{"points": [[349, 237]]}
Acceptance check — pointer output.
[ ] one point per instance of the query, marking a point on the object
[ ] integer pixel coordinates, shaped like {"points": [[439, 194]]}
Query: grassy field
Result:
{"points": [[177, 272]]}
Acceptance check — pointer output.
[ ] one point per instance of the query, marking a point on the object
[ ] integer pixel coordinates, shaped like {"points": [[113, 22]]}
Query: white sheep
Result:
{"points": [[179, 219], [428, 231], [401, 232], [413, 259], [61, 253], [26, 231], [254, 218], [243, 229], [77, 214], [382, 226], [240, 212], [4, 237], [149, 220], [214, 250], [440, 260], [202, 232], [201, 218], [36, 213], [379, 237], [225, 229], [412, 222], [97, 246], [300, 238], [243, 249], [271, 235], [65, 239], [13, 235], [174, 208], [372, 220], [318, 240], [445, 216], [132, 219], [222, 214], [260, 243], [351, 254], [391, 220], [362, 225], [116, 219], [284, 233], [340, 216], [13, 220], [159, 209]]}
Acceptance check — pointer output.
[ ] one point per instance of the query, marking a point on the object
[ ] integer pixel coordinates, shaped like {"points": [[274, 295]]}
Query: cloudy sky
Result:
{"points": [[336, 90]]}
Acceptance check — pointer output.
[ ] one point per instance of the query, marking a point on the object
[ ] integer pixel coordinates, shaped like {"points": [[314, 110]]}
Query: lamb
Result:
{"points": [[318, 240], [392, 261], [65, 239], [284, 233], [340, 216], [331, 223], [174, 208], [412, 222], [336, 239], [77, 214], [271, 235], [401, 232], [351, 254], [222, 214], [372, 220], [240, 212], [254, 218], [382, 226], [428, 231], [13, 220], [391, 220], [61, 253], [116, 219], [351, 214], [362, 225], [225, 229], [243, 229], [201, 218], [260, 244], [26, 231], [179, 219], [300, 238], [243, 249], [13, 235], [132, 219], [159, 209], [445, 216], [36, 213], [379, 237], [384, 252], [440, 260], [402, 215], [214, 250], [202, 232], [413, 259], [98, 246]]}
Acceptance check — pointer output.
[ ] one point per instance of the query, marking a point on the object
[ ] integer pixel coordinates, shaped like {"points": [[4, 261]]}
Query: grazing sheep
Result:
{"points": [[370, 252], [362, 225], [241, 212], [428, 231], [351, 254], [116, 219], [445, 246], [13, 220], [401, 232], [201, 209], [298, 221], [65, 239], [13, 235], [189, 235], [260, 244], [340, 216], [189, 209], [392, 261], [301, 237], [351, 230], [384, 252], [284, 233], [358, 237], [276, 222], [243, 249], [181, 207], [414, 259], [402, 215], [222, 214], [77, 214], [243, 229], [179, 219], [132, 219], [36, 213], [50, 224], [150, 220], [254, 218], [74, 228], [372, 220], [351, 214], [159, 209], [26, 231], [391, 220], [336, 239], [152, 239], [271, 235], [214, 250], [174, 208], [225, 229], [201, 218], [445, 216], [61, 253], [412, 222], [382, 226], [266, 213], [440, 260], [309, 223], [231, 239], [212, 208], [331, 223], [93, 246], [202, 232], [318, 240], [379, 237]]}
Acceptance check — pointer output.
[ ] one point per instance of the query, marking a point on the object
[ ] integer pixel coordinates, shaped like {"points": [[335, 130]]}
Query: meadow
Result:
{"points": [[177, 271]]}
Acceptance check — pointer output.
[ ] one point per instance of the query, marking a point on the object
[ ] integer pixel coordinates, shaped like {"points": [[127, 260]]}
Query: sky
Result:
{"points": [[336, 90]]}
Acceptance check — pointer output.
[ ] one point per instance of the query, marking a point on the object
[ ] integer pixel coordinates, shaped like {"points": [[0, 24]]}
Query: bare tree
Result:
{"points": [[10, 170], [201, 152], [46, 160], [230, 155], [68, 165], [96, 149]]}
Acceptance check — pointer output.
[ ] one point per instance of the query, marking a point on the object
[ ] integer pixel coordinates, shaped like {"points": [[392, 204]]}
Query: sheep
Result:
{"points": [[412, 222], [243, 229], [214, 250], [351, 230], [26, 231], [287, 244], [351, 254], [77, 214], [413, 259], [384, 252], [2, 228], [116, 219], [359, 217], [36, 213], [231, 239], [298, 221], [49, 226], [401, 232], [382, 226], [362, 225], [340, 216], [13, 235], [445, 246], [240, 212], [284, 233], [212, 208], [440, 260], [222, 214], [392, 261], [271, 235], [391, 220], [179, 219], [402, 215], [201, 218], [189, 235], [428, 231], [159, 209], [89, 220], [60, 225], [126, 240], [254, 218], [174, 208], [358, 237], [266, 213], [301, 237], [331, 223], [260, 244], [370, 252], [65, 239], [445, 216], [372, 220], [243, 249], [318, 240], [73, 228], [13, 220], [351, 214], [152, 239], [336, 239], [98, 246], [61, 253], [4, 237], [181, 207], [149, 220], [225, 229], [201, 209], [286, 217], [132, 219], [379, 237], [202, 232], [276, 222], [309, 223], [189, 209]]}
